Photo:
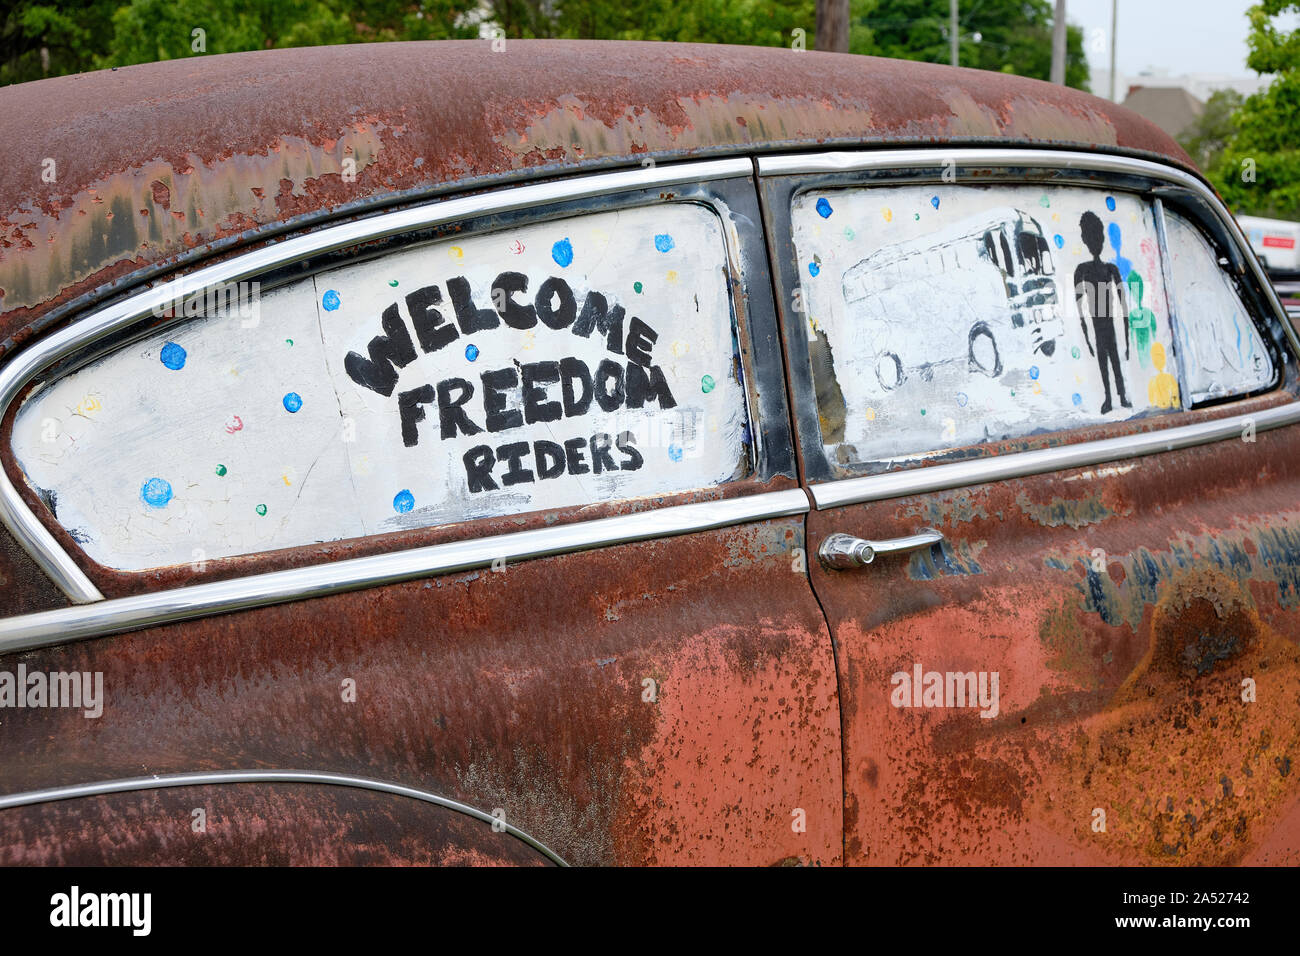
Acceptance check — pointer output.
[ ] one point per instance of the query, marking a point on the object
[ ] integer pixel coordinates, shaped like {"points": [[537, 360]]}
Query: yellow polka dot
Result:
{"points": [[888, 214], [680, 348], [871, 414], [672, 275], [456, 252]]}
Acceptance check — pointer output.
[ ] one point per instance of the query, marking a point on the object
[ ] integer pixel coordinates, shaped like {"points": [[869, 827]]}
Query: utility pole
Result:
{"points": [[1114, 25], [1058, 44], [952, 29]]}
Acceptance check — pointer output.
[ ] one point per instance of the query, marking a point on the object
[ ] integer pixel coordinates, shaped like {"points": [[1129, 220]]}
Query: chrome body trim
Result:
{"points": [[27, 365], [61, 626], [916, 481], [221, 777]]}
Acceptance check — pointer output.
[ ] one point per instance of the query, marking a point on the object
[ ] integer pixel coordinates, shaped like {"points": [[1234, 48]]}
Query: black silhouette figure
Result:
{"points": [[1094, 280]]}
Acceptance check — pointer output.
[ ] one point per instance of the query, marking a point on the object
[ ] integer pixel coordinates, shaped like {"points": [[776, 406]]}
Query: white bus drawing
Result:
{"points": [[979, 285]]}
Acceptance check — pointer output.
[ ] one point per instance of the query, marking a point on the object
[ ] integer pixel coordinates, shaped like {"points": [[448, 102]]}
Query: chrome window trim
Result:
{"points": [[222, 777], [28, 530], [924, 479], [917, 481], [82, 622]]}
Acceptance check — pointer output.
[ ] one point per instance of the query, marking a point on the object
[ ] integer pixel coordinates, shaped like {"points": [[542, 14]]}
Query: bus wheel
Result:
{"points": [[983, 351], [889, 370]]}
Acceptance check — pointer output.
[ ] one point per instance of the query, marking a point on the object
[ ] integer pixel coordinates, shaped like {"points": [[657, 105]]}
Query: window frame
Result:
{"points": [[781, 178], [724, 186]]}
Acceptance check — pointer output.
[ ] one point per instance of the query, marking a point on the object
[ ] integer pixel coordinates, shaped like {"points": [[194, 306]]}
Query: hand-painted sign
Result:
{"points": [[575, 361]]}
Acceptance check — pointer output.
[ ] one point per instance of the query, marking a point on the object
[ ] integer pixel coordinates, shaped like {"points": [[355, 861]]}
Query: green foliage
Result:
{"points": [[148, 30], [1258, 172], [1206, 139], [70, 33], [1015, 36]]}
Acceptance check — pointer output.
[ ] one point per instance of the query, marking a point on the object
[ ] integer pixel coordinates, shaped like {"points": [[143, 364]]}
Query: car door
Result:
{"points": [[488, 504], [1046, 406]]}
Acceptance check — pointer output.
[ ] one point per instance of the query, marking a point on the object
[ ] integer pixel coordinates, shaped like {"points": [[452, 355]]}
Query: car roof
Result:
{"points": [[160, 163]]}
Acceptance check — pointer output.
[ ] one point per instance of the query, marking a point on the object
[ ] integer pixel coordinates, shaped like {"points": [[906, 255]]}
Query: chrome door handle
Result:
{"points": [[843, 551]]}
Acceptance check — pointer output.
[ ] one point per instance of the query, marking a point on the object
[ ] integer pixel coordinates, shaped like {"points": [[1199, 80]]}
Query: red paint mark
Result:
{"points": [[234, 425]]}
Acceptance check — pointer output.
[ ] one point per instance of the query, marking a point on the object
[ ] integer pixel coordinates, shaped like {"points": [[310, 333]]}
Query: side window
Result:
{"points": [[548, 365], [1224, 352], [941, 316]]}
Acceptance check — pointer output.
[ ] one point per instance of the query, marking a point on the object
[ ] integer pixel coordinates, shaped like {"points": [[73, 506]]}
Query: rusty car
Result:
{"points": [[431, 453]]}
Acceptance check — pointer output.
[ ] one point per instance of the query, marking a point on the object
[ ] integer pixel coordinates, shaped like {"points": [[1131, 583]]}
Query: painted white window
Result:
{"points": [[581, 360], [941, 316], [1222, 351]]}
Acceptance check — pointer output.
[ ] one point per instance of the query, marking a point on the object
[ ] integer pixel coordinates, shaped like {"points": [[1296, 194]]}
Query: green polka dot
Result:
{"points": [[221, 471], [289, 342], [260, 509], [917, 216], [1075, 351], [707, 384], [923, 411], [1044, 201], [637, 287], [393, 283], [848, 232]]}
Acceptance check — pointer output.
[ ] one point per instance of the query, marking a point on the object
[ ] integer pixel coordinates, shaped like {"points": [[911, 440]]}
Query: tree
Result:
{"points": [[1206, 139], [1258, 173], [52, 39], [1008, 36], [149, 30], [833, 25]]}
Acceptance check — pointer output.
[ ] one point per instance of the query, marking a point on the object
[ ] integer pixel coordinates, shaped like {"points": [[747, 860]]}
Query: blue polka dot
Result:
{"points": [[934, 201], [471, 352], [292, 402], [173, 356], [562, 252], [1059, 240], [156, 492], [331, 300], [962, 399], [403, 501], [663, 242], [1076, 398], [814, 269], [824, 208], [1110, 203], [1033, 371], [675, 452]]}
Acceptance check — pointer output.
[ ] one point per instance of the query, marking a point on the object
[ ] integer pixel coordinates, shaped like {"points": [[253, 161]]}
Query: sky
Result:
{"points": [[1180, 36]]}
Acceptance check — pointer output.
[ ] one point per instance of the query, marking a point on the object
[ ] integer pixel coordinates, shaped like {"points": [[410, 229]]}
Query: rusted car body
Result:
{"points": [[651, 678]]}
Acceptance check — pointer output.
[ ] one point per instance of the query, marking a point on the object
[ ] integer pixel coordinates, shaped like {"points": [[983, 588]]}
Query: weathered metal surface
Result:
{"points": [[253, 824], [24, 587], [154, 162], [525, 690], [1120, 690]]}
